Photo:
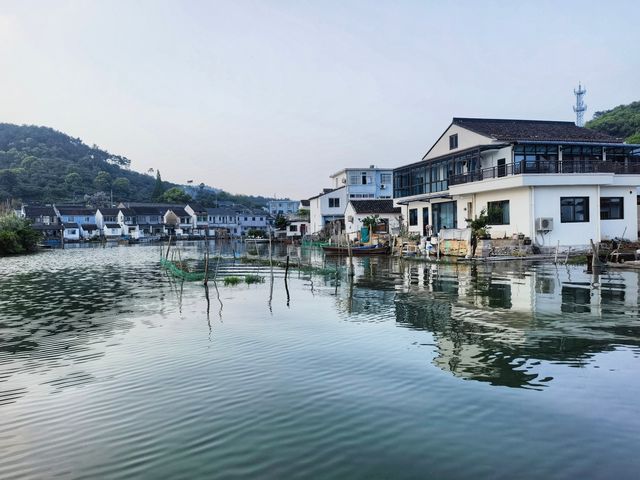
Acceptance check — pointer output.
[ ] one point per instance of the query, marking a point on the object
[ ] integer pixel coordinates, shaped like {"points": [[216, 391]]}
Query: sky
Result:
{"points": [[272, 97]]}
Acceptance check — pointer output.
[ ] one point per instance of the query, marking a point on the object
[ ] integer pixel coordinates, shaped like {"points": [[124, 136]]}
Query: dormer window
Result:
{"points": [[453, 141]]}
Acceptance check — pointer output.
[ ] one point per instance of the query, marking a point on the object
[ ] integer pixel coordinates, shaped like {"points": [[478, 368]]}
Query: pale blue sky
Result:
{"points": [[274, 96]]}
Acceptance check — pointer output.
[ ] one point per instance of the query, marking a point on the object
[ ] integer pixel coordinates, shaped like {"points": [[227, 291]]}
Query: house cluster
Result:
{"points": [[139, 221], [551, 181], [355, 194]]}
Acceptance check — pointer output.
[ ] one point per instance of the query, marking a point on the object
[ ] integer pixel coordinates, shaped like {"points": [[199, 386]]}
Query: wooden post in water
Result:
{"points": [[206, 264], [555, 260], [351, 273], [286, 268]]}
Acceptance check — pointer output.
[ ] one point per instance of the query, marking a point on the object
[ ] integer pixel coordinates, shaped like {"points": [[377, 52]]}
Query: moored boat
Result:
{"points": [[356, 250]]}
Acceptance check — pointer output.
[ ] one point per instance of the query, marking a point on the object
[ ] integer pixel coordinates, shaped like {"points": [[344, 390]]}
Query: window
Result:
{"points": [[386, 178], [413, 217], [498, 212], [611, 208], [574, 209], [453, 141], [353, 179], [334, 203], [293, 228]]}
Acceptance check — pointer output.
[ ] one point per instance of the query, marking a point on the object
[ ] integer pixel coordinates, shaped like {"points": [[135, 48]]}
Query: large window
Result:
{"points": [[611, 208], [385, 178], [498, 212], [535, 158], [334, 202], [574, 209], [444, 216], [453, 141], [413, 217]]}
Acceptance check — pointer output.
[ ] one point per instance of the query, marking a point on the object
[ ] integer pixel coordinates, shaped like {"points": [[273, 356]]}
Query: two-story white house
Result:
{"points": [[551, 181], [349, 184], [79, 222]]}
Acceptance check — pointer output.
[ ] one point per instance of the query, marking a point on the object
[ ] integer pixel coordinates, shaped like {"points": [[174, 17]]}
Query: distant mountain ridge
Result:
{"points": [[622, 121], [42, 165]]}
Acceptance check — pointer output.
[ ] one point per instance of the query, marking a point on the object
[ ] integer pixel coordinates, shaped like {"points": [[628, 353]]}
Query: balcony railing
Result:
{"points": [[525, 167]]}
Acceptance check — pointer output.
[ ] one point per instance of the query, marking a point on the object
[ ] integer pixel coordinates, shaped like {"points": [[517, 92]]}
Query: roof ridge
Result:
{"points": [[511, 120]]}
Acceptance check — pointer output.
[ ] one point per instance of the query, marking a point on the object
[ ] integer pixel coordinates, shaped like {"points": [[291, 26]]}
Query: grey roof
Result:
{"points": [[37, 211], [305, 203], [71, 225], [222, 211], [326, 191], [180, 211], [76, 211], [112, 225], [89, 227], [535, 130], [374, 206], [109, 211]]}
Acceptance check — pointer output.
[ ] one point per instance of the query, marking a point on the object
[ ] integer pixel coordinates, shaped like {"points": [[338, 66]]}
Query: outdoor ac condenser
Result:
{"points": [[544, 224]]}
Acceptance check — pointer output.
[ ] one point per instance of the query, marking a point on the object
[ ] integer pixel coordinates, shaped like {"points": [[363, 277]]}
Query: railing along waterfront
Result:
{"points": [[526, 167]]}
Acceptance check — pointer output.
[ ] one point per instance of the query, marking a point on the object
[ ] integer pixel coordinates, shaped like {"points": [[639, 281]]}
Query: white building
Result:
{"points": [[327, 207], [349, 184], [552, 181], [283, 207], [388, 215]]}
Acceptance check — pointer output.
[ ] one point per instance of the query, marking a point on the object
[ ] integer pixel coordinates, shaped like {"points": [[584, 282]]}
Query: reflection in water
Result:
{"points": [[314, 375], [496, 323]]}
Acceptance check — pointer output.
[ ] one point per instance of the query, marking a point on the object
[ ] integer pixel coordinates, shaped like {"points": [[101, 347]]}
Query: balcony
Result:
{"points": [[545, 167]]}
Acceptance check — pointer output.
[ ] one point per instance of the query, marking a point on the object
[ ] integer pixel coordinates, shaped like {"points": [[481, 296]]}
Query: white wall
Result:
{"points": [[547, 204], [615, 228], [319, 208], [355, 225], [519, 210], [466, 139]]}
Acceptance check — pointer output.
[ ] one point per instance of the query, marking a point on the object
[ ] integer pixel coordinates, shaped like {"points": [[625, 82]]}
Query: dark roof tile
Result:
{"points": [[374, 206], [533, 130]]}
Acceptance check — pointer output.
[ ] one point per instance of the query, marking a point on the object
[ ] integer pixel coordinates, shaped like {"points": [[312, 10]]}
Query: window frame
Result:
{"points": [[413, 217], [453, 141], [586, 218], [499, 204], [609, 199]]}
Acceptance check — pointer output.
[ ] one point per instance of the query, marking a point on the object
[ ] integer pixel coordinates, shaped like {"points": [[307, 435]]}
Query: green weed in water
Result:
{"points": [[249, 279], [230, 281]]}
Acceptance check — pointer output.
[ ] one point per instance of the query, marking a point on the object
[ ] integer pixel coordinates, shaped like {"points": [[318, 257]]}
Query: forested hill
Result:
{"points": [[622, 121], [40, 164]]}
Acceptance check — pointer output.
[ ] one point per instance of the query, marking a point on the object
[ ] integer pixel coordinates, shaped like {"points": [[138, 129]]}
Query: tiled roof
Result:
{"points": [[36, 211], [71, 225], [533, 130], [374, 206], [89, 227], [112, 225], [76, 211], [325, 191], [180, 211], [109, 211]]}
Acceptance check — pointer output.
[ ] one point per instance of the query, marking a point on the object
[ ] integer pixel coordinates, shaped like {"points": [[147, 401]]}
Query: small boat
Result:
{"points": [[356, 250]]}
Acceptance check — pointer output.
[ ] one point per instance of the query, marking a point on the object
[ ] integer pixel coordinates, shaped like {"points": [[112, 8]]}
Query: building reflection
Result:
{"points": [[501, 323]]}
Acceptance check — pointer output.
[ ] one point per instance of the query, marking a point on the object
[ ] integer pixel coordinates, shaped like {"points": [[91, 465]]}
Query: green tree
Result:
{"points": [[281, 222], [102, 182], [158, 187], [121, 186], [73, 181], [17, 235], [176, 195]]}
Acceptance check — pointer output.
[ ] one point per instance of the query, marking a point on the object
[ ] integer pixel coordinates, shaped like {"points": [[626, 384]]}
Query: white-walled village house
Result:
{"points": [[551, 181]]}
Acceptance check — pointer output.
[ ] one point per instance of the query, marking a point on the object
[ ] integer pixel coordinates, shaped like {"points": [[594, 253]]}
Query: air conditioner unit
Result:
{"points": [[344, 180], [350, 219], [544, 224], [382, 187]]}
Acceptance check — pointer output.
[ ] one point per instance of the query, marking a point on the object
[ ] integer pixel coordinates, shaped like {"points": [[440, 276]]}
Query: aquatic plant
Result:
{"points": [[249, 279], [231, 280]]}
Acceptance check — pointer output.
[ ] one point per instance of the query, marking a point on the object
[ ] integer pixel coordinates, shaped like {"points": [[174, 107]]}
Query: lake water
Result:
{"points": [[111, 369]]}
